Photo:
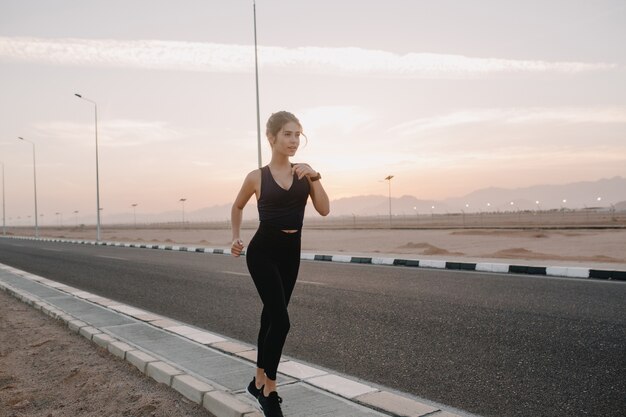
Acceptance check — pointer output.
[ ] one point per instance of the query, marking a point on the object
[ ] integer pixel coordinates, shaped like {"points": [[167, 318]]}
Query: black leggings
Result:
{"points": [[273, 259]]}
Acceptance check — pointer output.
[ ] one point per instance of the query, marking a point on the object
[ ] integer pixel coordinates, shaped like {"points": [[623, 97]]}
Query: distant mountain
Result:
{"points": [[207, 214], [576, 195], [379, 205], [601, 193]]}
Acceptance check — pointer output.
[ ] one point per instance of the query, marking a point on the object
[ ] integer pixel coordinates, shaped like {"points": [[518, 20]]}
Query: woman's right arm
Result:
{"points": [[249, 187]]}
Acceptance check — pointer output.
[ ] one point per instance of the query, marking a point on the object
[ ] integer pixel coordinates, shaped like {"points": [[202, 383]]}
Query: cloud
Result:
{"points": [[224, 58], [536, 115], [116, 133], [341, 119]]}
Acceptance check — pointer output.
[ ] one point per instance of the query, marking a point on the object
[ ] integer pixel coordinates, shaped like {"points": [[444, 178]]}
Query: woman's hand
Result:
{"points": [[303, 170], [236, 247]]}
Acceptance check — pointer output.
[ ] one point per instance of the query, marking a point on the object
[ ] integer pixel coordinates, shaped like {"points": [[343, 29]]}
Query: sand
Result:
{"points": [[47, 371], [596, 248]]}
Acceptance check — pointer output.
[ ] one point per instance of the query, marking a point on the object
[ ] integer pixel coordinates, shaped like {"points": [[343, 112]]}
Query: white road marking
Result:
{"points": [[112, 257], [235, 273], [313, 283]]}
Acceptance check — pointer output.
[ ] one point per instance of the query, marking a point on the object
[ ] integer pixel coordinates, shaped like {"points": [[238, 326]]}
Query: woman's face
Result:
{"points": [[287, 140]]}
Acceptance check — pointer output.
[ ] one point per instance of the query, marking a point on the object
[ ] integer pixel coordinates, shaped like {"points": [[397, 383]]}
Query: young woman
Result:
{"points": [[273, 256]]}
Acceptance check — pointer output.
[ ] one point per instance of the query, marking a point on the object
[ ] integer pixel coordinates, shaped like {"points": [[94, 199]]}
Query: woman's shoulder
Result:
{"points": [[254, 176]]}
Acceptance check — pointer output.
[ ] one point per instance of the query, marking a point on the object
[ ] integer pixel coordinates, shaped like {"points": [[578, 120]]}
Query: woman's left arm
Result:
{"points": [[317, 192], [319, 197]]}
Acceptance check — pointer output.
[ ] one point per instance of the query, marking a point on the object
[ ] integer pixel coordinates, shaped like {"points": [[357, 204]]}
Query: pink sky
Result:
{"points": [[446, 96]]}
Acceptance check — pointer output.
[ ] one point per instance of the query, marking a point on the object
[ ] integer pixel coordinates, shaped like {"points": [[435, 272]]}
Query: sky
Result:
{"points": [[447, 96]]}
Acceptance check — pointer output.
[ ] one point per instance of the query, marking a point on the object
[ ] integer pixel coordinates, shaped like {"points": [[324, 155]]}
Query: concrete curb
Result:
{"points": [[555, 271], [221, 404], [214, 398]]}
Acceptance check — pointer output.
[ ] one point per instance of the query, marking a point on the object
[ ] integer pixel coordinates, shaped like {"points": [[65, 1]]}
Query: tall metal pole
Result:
{"points": [[97, 175], [35, 185], [256, 73], [182, 200], [388, 178], [97, 167], [135, 213], [4, 225]]}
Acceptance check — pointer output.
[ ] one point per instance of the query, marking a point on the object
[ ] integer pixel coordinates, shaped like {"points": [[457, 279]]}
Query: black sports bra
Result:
{"points": [[280, 208]]}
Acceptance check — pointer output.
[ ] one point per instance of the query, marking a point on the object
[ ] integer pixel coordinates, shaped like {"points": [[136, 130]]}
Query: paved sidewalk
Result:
{"points": [[205, 367]]}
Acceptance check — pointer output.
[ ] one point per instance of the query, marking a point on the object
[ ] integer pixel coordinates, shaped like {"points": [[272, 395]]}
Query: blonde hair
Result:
{"points": [[278, 120]]}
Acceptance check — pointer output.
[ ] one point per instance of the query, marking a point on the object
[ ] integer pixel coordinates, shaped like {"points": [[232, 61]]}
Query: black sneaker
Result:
{"points": [[253, 390], [270, 405]]}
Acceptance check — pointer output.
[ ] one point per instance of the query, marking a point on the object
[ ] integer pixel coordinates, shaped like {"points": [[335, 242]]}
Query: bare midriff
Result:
{"points": [[290, 231]]}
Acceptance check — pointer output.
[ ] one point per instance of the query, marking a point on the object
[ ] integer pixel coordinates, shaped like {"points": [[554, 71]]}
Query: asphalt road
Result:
{"points": [[495, 345]]}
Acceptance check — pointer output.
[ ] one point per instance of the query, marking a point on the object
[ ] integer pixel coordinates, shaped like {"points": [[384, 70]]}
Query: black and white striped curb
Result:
{"points": [[214, 397], [555, 271]]}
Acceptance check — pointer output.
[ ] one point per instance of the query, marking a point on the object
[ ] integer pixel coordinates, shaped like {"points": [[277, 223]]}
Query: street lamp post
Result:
{"points": [[463, 211], [538, 210], [515, 209], [35, 184], [182, 200], [388, 178], [4, 224], [76, 217], [97, 170], [135, 213], [256, 74]]}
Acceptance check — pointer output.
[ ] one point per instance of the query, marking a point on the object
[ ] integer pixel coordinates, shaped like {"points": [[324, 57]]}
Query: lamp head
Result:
{"points": [[78, 95]]}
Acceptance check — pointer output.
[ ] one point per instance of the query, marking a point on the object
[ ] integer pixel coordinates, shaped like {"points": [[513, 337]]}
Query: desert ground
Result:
{"points": [[47, 371], [576, 239]]}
